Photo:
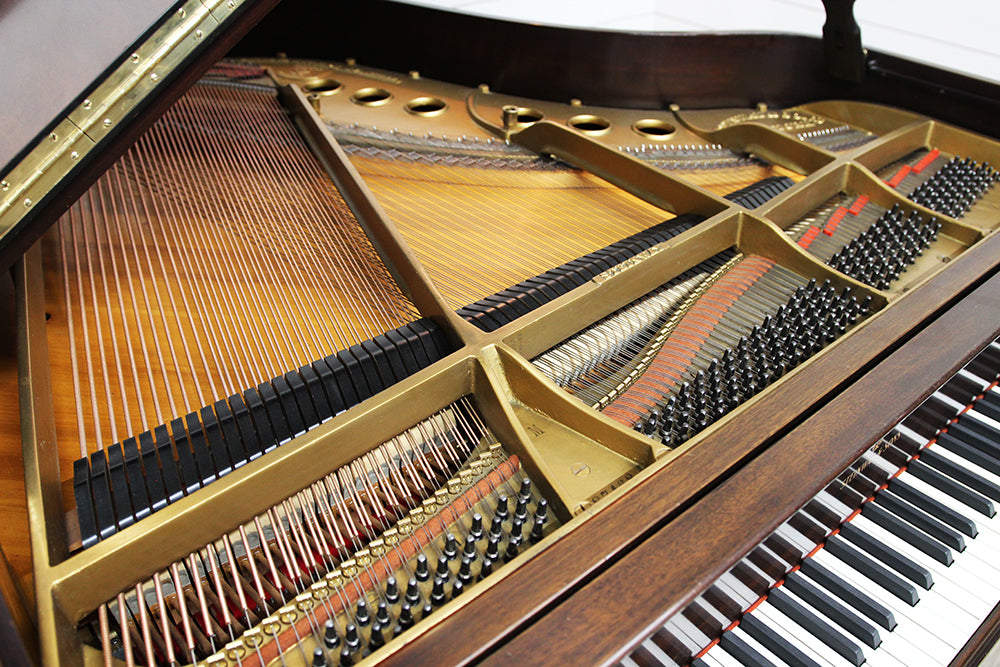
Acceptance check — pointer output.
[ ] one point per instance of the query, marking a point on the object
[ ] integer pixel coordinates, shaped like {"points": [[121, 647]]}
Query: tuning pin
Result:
{"points": [[412, 592], [346, 659], [525, 491], [496, 527], [330, 636], [426, 610], [456, 589], [450, 546], [405, 618], [375, 639], [493, 548], [391, 590], [465, 571], [437, 593], [352, 640], [361, 614], [542, 509], [470, 552], [422, 572], [476, 531], [503, 509], [521, 511], [319, 658], [537, 530], [486, 569], [512, 549], [442, 572], [382, 614]]}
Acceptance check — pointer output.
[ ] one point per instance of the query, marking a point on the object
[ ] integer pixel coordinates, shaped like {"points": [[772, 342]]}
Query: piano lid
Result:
{"points": [[89, 76]]}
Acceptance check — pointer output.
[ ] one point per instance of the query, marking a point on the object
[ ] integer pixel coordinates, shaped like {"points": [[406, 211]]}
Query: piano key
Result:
{"points": [[927, 502], [978, 431], [741, 651], [672, 646], [817, 626], [862, 539], [843, 617], [775, 642], [803, 640], [899, 588], [955, 445], [919, 625], [922, 520], [849, 594], [711, 659], [648, 653], [950, 487], [945, 577], [908, 533], [989, 405]]}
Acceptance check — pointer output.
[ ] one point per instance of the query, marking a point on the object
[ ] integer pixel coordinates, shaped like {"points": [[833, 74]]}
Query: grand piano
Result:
{"points": [[386, 335]]}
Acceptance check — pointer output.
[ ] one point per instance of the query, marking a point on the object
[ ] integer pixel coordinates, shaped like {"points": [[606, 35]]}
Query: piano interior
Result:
{"points": [[340, 364]]}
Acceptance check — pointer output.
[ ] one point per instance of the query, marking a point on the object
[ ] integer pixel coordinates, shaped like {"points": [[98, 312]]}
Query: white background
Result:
{"points": [[962, 35]]}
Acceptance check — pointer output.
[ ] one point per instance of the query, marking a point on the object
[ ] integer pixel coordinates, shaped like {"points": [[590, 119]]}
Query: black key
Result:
{"points": [[949, 486], [168, 464], [303, 399], [119, 487], [289, 406], [151, 472], [136, 484], [775, 643], [961, 389], [99, 486], [816, 626], [316, 393], [961, 473], [915, 572], [977, 433], [216, 443], [403, 346], [203, 459], [989, 405], [956, 520], [742, 651], [921, 520], [356, 374], [900, 588], [230, 432], [275, 415], [395, 358], [908, 534], [190, 479], [342, 382], [972, 446], [834, 610], [84, 503]]}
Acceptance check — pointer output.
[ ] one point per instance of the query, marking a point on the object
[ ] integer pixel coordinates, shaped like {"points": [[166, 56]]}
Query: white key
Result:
{"points": [[764, 652], [795, 538], [833, 504], [711, 660], [724, 659], [910, 625], [657, 653], [737, 590], [987, 528], [833, 624], [691, 631], [951, 604], [942, 574], [983, 417], [963, 462], [950, 402], [798, 636]]}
